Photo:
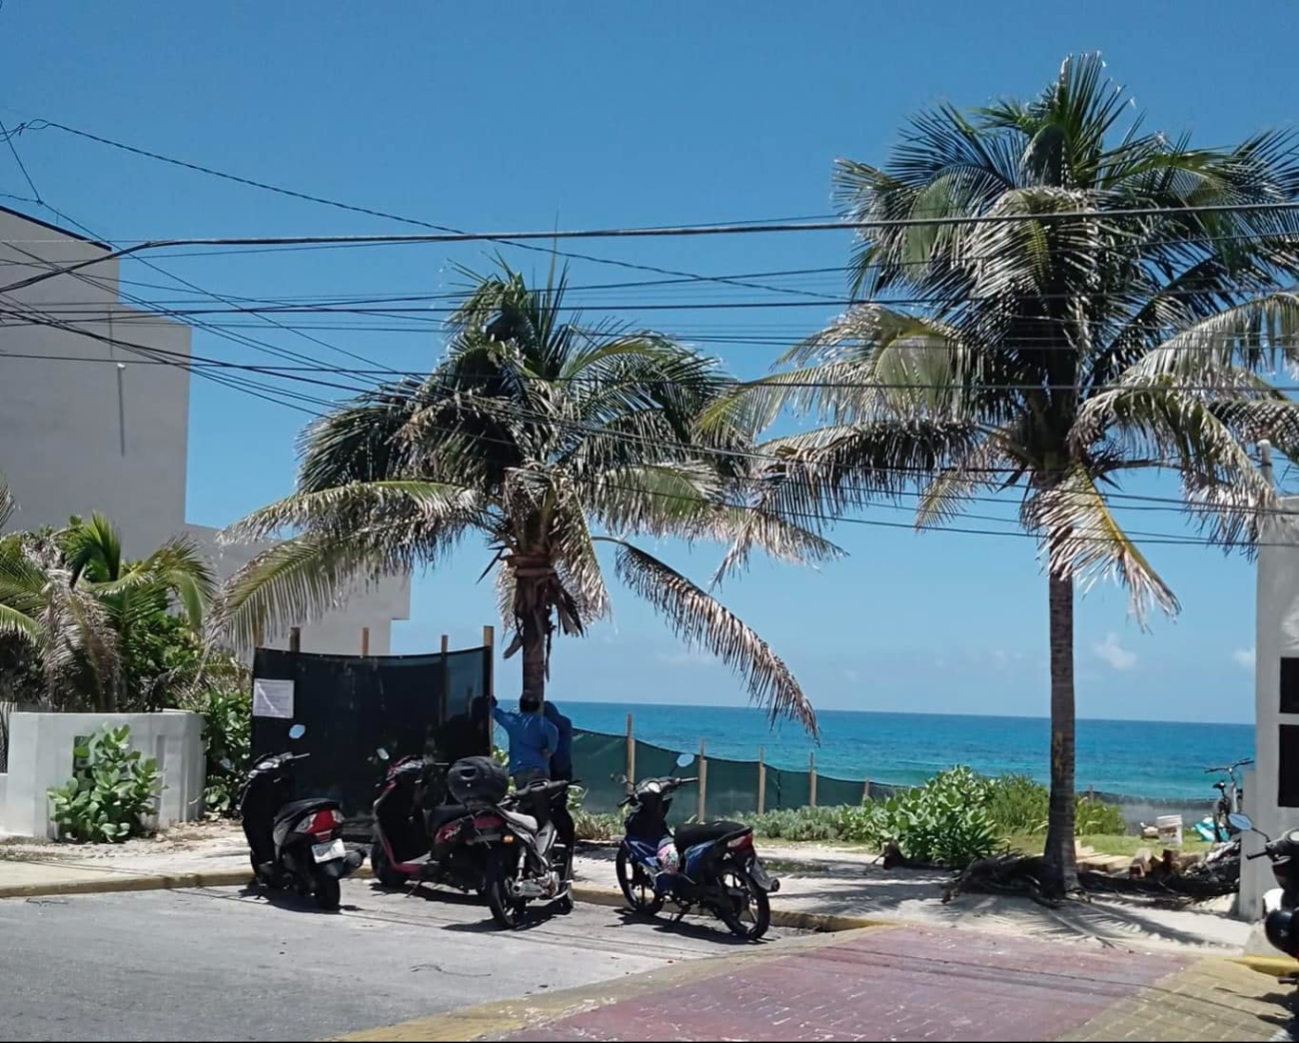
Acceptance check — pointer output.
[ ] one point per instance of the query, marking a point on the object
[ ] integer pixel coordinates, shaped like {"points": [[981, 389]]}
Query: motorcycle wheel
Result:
{"points": [[750, 915], [328, 893], [383, 871], [506, 909], [637, 887]]}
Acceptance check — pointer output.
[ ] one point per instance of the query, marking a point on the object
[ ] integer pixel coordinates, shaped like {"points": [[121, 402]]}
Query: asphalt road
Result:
{"points": [[221, 964]]}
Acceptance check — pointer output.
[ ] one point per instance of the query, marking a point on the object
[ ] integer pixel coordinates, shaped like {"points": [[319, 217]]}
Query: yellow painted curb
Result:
{"points": [[110, 884], [1277, 966], [103, 883]]}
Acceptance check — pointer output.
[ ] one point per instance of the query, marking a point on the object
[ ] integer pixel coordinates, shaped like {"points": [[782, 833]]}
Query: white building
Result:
{"points": [[88, 425]]}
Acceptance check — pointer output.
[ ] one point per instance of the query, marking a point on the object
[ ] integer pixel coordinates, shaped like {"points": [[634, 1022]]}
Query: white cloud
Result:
{"points": [[1244, 658], [1110, 651]]}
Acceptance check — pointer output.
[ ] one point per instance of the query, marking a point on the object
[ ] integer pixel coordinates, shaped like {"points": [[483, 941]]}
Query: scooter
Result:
{"points": [[712, 865], [532, 860], [294, 843], [421, 837], [1279, 903]]}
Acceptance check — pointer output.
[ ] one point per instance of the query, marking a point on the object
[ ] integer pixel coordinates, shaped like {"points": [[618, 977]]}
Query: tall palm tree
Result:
{"points": [[76, 600], [1049, 354], [546, 437]]}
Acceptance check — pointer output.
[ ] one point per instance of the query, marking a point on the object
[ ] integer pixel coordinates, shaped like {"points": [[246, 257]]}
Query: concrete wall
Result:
{"points": [[1277, 624], [88, 444], [41, 757]]}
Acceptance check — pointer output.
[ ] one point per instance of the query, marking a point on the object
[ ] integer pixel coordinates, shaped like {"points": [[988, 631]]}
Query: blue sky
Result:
{"points": [[530, 116]]}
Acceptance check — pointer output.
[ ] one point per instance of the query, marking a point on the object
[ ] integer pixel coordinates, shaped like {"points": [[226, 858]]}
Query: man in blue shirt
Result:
{"points": [[533, 739], [561, 761]]}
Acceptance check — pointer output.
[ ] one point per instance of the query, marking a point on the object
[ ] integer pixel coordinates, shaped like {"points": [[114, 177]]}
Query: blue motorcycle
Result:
{"points": [[711, 866]]}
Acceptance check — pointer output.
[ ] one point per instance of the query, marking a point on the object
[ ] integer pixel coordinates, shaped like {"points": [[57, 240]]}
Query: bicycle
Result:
{"points": [[1231, 796]]}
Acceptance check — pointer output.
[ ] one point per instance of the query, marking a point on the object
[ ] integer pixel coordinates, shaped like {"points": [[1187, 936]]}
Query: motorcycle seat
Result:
{"points": [[444, 813], [296, 809], [524, 822], [707, 832]]}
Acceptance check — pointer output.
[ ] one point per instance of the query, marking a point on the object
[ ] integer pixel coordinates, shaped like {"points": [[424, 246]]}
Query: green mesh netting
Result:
{"points": [[732, 788], [599, 761], [832, 792]]}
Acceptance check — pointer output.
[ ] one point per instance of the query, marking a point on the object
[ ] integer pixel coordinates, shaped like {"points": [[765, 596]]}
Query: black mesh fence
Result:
{"points": [[351, 706]]}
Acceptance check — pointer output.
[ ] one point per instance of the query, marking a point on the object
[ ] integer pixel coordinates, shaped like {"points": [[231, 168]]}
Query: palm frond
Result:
{"points": [[94, 548], [7, 503], [1082, 540], [703, 622]]}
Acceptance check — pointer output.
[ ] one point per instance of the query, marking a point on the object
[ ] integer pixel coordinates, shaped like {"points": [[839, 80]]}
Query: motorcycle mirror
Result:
{"points": [[684, 760], [1241, 821], [297, 731]]}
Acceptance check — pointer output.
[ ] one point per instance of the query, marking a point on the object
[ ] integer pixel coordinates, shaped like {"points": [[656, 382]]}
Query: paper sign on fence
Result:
{"points": [[272, 698]]}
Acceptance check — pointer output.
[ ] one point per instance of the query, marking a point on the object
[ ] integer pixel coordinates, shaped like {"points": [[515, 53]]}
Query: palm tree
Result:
{"points": [[546, 437], [74, 598], [1049, 354]]}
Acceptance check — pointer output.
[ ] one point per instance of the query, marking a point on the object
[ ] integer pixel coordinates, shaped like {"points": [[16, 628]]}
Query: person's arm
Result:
{"points": [[552, 737], [505, 719]]}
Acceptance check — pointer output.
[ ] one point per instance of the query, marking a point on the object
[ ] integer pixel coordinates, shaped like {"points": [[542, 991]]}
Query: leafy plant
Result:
{"points": [[112, 793], [1095, 816], [227, 741], [1018, 805]]}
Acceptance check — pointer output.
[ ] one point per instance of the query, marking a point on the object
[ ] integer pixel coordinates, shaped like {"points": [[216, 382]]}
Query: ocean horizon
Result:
{"points": [[1128, 760]]}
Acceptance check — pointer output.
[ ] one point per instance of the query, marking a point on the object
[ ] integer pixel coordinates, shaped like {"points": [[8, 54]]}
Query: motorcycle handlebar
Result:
{"points": [[1256, 854]]}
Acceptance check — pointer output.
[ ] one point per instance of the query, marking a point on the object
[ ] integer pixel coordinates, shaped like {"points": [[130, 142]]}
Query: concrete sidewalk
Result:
{"points": [[822, 888], [898, 983]]}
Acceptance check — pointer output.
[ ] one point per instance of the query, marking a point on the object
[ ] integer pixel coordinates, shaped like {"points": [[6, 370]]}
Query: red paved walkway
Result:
{"points": [[906, 983]]}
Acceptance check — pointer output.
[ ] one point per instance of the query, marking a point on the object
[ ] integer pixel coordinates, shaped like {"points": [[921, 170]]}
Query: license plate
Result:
{"points": [[328, 852]]}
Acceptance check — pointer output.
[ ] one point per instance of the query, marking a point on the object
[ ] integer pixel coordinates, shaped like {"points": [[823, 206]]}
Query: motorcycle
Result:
{"points": [[421, 837], [532, 860], [712, 865], [294, 842], [1279, 903]]}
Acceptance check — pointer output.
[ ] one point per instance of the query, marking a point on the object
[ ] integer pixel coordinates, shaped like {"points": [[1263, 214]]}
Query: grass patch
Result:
{"points": [[1106, 844]]}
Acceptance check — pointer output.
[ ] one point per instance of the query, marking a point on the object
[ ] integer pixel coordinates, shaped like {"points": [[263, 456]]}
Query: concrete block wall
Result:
{"points": [[40, 757]]}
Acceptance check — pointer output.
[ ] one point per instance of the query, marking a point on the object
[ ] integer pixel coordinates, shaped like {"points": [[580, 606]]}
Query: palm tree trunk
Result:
{"points": [[533, 632], [1060, 857]]}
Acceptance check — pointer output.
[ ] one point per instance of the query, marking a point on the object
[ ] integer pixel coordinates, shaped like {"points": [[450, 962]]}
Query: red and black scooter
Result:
{"points": [[294, 842], [419, 836]]}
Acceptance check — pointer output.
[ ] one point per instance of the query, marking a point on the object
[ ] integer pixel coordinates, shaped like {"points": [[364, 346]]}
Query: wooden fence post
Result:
{"points": [[365, 641], [295, 639], [631, 756], [446, 680], [811, 778], [762, 779], [866, 791], [703, 780]]}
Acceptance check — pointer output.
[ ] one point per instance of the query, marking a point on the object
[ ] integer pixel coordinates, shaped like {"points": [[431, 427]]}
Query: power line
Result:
{"points": [[370, 211]]}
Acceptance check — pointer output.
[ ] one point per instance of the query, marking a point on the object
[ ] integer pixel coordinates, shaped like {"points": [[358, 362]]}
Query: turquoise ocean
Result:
{"points": [[1130, 761]]}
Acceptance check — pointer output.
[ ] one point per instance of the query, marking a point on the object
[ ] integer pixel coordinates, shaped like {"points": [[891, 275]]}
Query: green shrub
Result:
{"points": [[111, 795], [227, 740], [945, 822], [1095, 816], [1018, 805]]}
